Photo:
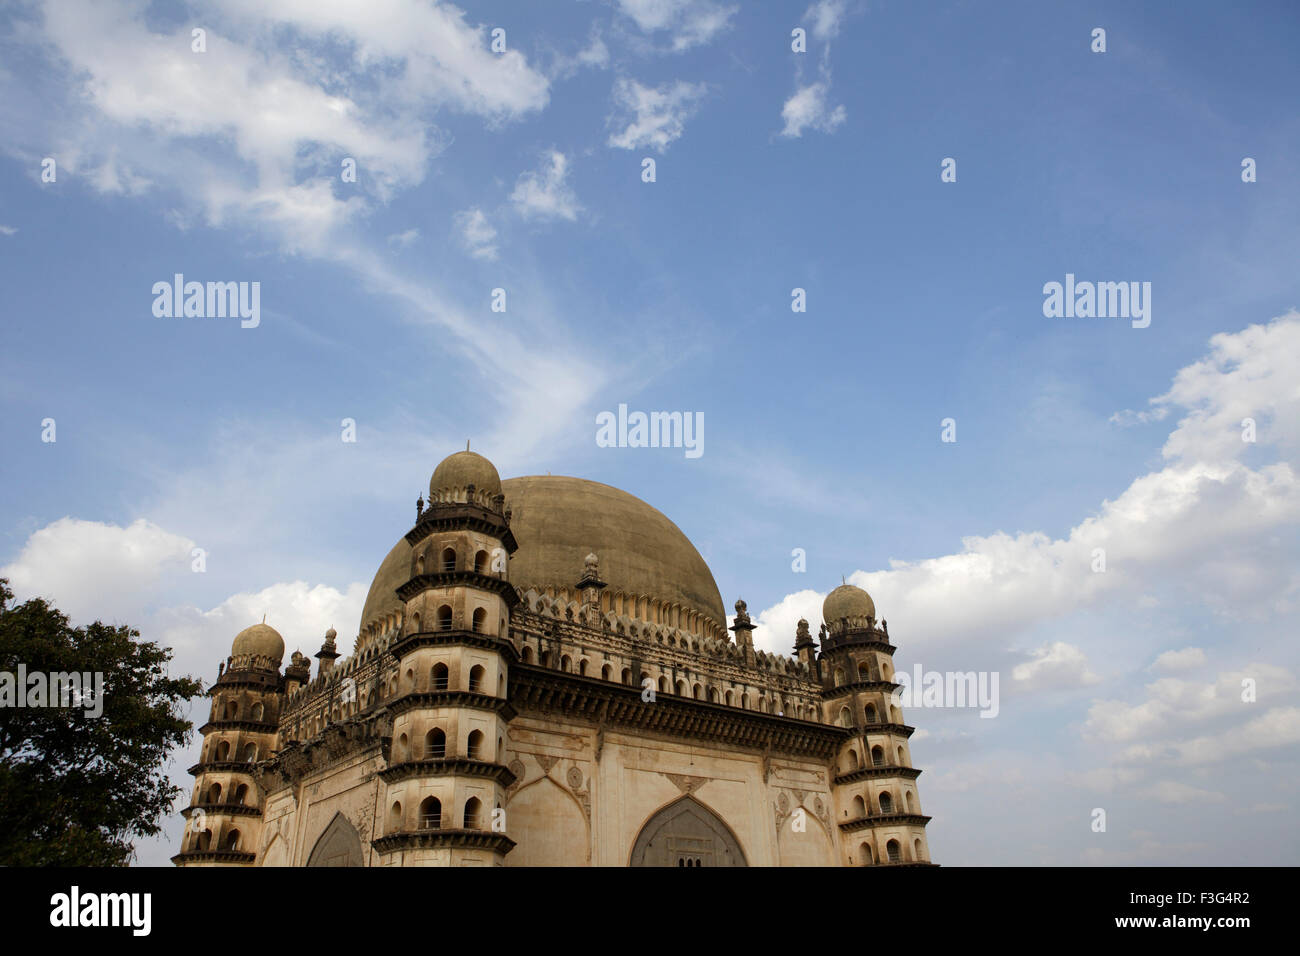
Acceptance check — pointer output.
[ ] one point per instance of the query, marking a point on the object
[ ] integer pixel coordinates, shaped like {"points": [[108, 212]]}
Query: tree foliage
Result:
{"points": [[77, 790]]}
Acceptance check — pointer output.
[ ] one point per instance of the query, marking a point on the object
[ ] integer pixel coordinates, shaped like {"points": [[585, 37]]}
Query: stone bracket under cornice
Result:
{"points": [[458, 515], [463, 578], [449, 638]]}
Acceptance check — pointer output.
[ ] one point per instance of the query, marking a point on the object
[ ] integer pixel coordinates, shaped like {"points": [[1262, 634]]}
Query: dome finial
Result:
{"points": [[467, 444]]}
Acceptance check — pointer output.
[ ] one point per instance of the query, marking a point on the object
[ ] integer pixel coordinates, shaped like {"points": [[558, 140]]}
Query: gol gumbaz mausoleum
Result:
{"points": [[544, 675]]}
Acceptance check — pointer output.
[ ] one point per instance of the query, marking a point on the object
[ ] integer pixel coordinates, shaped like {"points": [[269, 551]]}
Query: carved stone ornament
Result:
{"points": [[686, 783]]}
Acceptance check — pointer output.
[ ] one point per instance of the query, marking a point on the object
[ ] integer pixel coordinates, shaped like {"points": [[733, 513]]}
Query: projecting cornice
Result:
{"points": [[540, 689]]}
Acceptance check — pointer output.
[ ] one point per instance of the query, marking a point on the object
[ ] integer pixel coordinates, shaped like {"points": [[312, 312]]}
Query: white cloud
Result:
{"points": [[7, 230], [1172, 705], [691, 22], [544, 194], [477, 235], [652, 117], [1186, 659], [1247, 374], [301, 612], [1056, 665], [1171, 791], [91, 570], [404, 238], [808, 109], [825, 17]]}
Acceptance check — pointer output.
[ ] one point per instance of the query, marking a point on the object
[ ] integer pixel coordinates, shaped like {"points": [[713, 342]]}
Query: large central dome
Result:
{"points": [[557, 522]]}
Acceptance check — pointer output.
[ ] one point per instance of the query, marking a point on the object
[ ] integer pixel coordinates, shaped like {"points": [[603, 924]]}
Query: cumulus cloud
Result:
{"points": [[689, 23], [1206, 523], [808, 108], [476, 233], [1056, 665], [1171, 791], [825, 18], [1171, 704], [1186, 659], [652, 117], [301, 612], [7, 230], [544, 194], [96, 571]]}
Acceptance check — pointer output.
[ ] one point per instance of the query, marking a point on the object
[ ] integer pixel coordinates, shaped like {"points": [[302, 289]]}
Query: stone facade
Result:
{"points": [[485, 721]]}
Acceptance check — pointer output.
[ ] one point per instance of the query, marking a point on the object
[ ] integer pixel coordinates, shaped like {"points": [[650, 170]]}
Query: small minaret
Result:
{"points": [[590, 587], [327, 655], [744, 628], [805, 648]]}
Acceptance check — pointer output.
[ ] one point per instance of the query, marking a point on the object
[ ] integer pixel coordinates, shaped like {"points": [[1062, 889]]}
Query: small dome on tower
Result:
{"points": [[847, 600], [465, 468], [260, 640], [331, 634]]}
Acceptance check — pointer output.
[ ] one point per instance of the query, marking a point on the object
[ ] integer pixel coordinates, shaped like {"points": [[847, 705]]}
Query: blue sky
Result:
{"points": [[774, 170]]}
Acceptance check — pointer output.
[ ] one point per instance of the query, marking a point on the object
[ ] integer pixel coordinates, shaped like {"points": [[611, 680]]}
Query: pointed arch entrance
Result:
{"points": [[339, 845], [686, 833]]}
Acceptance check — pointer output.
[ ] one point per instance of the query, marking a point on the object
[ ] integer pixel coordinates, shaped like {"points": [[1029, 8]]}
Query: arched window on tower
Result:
{"points": [[444, 618], [916, 848], [435, 744], [853, 759], [438, 677], [859, 807], [250, 753], [868, 857], [232, 840], [528, 655], [232, 710], [566, 664], [846, 718], [481, 560], [886, 803], [479, 619], [448, 560], [877, 756], [864, 671], [476, 675], [430, 813], [395, 817], [475, 750], [258, 710], [241, 795], [473, 813], [894, 851], [627, 676], [871, 714]]}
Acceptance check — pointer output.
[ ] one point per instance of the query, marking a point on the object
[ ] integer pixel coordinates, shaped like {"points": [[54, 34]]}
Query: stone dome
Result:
{"points": [[557, 523], [465, 468], [847, 600], [260, 640]]}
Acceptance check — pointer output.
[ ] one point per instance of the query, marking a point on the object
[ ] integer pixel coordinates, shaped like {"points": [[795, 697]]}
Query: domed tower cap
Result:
{"points": [[465, 468], [847, 600], [260, 640]]}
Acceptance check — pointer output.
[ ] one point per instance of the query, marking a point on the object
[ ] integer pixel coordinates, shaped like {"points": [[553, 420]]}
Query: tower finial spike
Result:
{"points": [[467, 444], [842, 581]]}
